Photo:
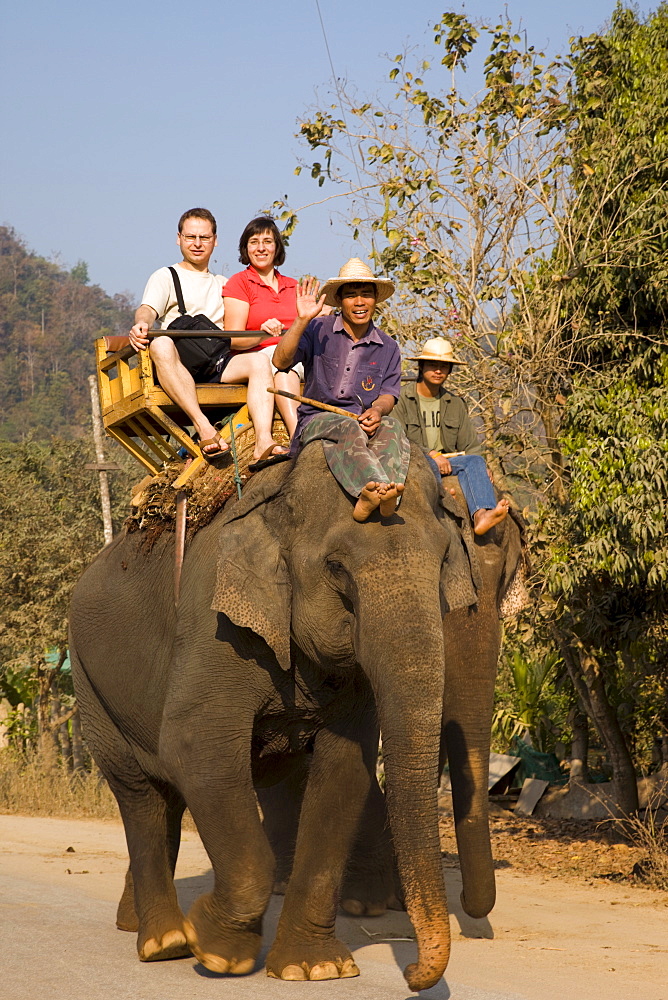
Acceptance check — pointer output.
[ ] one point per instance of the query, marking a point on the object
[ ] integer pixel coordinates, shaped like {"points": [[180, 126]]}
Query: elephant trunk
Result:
{"points": [[405, 667], [473, 640]]}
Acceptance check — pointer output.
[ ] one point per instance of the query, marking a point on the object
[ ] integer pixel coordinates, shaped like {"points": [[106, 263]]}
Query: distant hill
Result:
{"points": [[49, 318]]}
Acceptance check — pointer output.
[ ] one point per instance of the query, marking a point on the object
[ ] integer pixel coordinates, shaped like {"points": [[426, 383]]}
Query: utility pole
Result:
{"points": [[101, 466]]}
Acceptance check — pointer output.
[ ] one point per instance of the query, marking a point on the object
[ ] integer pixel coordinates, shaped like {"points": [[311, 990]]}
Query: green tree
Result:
{"points": [[527, 223], [48, 320], [80, 272], [50, 529], [608, 556]]}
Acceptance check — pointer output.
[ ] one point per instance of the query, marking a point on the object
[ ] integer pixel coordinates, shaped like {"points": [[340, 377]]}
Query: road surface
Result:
{"points": [[546, 938]]}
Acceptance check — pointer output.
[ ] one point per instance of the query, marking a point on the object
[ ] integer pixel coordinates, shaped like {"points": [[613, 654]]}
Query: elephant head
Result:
{"points": [[296, 569]]}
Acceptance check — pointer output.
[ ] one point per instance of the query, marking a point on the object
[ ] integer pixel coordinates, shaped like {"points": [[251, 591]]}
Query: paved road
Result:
{"points": [[60, 944], [549, 940]]}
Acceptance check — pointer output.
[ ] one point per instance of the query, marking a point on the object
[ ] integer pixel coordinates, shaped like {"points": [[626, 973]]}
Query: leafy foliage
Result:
{"points": [[48, 320], [527, 223], [51, 527]]}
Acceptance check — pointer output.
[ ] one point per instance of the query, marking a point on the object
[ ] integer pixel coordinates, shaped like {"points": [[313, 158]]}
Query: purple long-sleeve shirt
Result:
{"points": [[338, 369]]}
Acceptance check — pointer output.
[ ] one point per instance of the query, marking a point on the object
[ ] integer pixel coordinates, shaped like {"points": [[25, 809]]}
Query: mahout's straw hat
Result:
{"points": [[356, 270], [438, 349]]}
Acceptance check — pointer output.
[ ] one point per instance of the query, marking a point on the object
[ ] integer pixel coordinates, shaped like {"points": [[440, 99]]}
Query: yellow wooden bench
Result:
{"points": [[139, 414]]}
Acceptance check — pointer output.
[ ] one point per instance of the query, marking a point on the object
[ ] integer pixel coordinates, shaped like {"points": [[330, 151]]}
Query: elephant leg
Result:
{"points": [[149, 812], [281, 806], [371, 882], [467, 721], [223, 927], [126, 915], [338, 784]]}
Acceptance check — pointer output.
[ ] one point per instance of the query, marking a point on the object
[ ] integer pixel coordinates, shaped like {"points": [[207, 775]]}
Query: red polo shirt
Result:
{"points": [[264, 303]]}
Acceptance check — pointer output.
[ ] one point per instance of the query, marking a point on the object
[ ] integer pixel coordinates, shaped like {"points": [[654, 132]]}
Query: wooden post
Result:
{"points": [[99, 451]]}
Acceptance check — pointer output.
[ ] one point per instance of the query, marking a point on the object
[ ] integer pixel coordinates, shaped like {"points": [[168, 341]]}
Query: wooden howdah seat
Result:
{"points": [[139, 414]]}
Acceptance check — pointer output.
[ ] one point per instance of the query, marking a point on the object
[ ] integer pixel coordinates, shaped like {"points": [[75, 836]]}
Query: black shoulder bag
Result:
{"points": [[185, 321], [204, 357]]}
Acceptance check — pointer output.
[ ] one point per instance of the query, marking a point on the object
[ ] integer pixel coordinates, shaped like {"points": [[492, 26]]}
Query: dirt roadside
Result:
{"points": [[546, 937]]}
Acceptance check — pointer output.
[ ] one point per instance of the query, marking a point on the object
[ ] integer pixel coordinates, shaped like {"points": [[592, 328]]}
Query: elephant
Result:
{"points": [[472, 641], [298, 632]]}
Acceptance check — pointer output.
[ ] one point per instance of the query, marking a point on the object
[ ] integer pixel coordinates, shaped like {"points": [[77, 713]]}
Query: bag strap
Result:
{"points": [[179, 294]]}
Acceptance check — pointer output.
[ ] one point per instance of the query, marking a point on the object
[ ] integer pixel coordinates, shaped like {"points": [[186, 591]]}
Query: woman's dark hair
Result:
{"points": [[263, 224], [420, 374]]}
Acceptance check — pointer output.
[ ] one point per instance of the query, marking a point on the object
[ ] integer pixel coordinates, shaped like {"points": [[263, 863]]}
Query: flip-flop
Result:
{"points": [[216, 440], [267, 458]]}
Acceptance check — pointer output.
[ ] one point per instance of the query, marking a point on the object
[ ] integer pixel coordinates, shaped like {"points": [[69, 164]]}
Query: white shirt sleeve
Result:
{"points": [[159, 291]]}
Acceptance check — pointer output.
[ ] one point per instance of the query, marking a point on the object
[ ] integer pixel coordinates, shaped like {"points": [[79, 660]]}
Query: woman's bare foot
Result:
{"points": [[388, 502], [369, 500], [483, 519]]}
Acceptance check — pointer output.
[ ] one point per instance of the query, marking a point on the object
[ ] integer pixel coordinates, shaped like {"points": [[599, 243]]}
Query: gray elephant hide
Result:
{"points": [[252, 576]]}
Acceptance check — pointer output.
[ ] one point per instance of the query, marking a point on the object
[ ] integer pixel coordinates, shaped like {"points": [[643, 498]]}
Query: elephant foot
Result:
{"points": [[355, 907], [311, 961], [371, 893], [126, 918], [219, 948], [126, 915], [161, 947]]}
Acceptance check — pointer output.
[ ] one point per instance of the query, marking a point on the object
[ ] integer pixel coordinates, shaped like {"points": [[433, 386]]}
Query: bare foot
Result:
{"points": [[483, 519], [369, 499], [388, 503]]}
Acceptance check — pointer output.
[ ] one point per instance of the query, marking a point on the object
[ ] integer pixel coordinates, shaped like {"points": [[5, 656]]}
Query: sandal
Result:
{"points": [[218, 442], [268, 458]]}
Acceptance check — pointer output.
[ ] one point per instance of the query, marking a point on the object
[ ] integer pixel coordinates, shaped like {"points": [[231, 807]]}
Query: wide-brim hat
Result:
{"points": [[356, 270], [438, 349]]}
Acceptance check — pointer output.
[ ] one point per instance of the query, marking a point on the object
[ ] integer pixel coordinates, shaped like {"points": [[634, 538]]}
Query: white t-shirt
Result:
{"points": [[202, 293]]}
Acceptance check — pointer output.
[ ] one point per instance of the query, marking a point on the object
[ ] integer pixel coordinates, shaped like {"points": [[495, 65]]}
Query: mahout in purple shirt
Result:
{"points": [[338, 369]]}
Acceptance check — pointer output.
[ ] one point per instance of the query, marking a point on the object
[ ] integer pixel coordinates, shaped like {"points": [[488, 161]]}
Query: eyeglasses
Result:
{"points": [[196, 239], [256, 244]]}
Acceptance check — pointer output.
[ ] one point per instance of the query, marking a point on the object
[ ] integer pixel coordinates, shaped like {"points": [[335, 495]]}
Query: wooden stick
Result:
{"points": [[179, 540], [314, 402], [223, 334]]}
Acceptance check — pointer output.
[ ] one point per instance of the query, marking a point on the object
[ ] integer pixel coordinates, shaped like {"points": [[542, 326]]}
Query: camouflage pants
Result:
{"points": [[355, 459]]}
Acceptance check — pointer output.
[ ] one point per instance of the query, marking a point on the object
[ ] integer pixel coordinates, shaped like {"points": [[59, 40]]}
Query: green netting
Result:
{"points": [[536, 764]]}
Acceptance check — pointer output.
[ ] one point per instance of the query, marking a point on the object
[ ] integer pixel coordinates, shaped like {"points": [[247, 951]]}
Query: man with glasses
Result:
{"points": [[182, 362], [437, 420]]}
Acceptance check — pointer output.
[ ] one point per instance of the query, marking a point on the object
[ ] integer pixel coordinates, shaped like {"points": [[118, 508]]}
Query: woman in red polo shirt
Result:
{"points": [[261, 298]]}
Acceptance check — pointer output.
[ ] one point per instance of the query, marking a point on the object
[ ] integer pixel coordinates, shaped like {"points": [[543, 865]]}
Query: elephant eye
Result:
{"points": [[334, 567]]}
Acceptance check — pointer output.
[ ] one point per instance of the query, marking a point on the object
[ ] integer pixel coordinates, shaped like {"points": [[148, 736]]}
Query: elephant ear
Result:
{"points": [[513, 594], [261, 488], [252, 583], [459, 573], [460, 576]]}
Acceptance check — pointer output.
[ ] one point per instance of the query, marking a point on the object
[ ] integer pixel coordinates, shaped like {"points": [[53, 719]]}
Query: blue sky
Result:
{"points": [[117, 117]]}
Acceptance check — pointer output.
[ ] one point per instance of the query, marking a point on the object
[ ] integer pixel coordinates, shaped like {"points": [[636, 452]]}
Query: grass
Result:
{"points": [[29, 787], [649, 834]]}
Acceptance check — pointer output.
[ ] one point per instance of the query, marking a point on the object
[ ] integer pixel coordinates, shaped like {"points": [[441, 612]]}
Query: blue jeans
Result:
{"points": [[476, 485]]}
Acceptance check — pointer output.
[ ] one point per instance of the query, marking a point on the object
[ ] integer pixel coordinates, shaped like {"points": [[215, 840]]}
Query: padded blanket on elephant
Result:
{"points": [[154, 502]]}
